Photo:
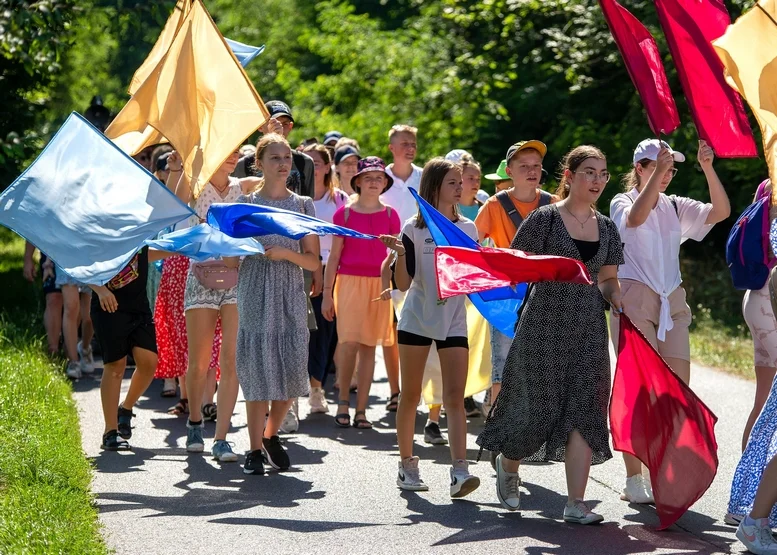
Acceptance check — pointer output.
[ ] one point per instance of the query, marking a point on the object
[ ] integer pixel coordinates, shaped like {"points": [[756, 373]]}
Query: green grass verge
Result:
{"points": [[718, 346], [45, 499]]}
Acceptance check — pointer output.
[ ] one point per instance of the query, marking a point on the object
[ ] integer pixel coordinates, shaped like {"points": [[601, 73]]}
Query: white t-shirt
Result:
{"points": [[325, 210], [423, 312], [652, 250], [399, 197], [210, 195]]}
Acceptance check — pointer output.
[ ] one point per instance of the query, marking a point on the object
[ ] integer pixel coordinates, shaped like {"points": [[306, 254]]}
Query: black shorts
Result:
{"points": [[119, 332], [407, 338]]}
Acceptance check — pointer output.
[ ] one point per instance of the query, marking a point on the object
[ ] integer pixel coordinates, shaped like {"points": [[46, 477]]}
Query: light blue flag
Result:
{"points": [[203, 242], [244, 52], [251, 220], [498, 306], [88, 205]]}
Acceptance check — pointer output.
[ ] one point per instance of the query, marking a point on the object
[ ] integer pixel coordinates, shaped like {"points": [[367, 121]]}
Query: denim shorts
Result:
{"points": [[500, 347], [63, 279]]}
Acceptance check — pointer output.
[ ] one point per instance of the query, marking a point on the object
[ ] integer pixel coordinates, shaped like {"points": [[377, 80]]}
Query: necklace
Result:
{"points": [[582, 224]]}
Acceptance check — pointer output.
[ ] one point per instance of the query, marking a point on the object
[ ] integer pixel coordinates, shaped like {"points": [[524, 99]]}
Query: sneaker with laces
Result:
{"points": [[222, 451], [275, 454], [254, 462], [86, 359], [636, 490], [317, 401], [194, 441], [290, 422], [462, 482], [579, 513], [433, 435], [472, 408], [73, 370], [757, 536], [507, 484], [125, 422], [409, 477]]}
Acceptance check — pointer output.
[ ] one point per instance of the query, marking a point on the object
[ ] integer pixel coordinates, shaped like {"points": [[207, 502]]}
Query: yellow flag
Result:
{"points": [[748, 51], [198, 97]]}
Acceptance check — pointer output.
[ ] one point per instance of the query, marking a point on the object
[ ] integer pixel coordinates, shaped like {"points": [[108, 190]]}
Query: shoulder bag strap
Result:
{"points": [[545, 198], [504, 199]]}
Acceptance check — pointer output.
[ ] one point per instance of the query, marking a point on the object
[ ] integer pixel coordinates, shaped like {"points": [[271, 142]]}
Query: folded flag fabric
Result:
{"points": [[461, 271], [88, 205], [251, 220], [498, 306], [643, 62], [658, 419], [244, 53], [202, 242]]}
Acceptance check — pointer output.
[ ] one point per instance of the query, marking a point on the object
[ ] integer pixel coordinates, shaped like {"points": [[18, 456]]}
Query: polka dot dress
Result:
{"points": [[557, 374], [170, 322]]}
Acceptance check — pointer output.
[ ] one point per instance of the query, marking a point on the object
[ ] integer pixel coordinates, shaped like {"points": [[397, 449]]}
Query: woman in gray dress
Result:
{"points": [[272, 337], [553, 401]]}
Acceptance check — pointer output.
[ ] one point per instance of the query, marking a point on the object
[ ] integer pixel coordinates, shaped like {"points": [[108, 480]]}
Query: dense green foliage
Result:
{"points": [[474, 74]]}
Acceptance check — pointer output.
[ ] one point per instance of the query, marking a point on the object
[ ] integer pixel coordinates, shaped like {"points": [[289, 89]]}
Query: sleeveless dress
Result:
{"points": [[557, 374]]}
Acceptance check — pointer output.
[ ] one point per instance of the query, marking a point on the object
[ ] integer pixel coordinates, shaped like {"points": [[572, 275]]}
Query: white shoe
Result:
{"points": [[636, 490], [462, 482], [757, 536], [409, 477], [290, 422], [86, 359], [507, 484], [579, 513], [73, 370], [317, 401], [733, 520]]}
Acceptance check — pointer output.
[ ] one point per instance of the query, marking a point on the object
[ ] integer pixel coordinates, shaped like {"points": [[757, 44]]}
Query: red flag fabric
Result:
{"points": [[658, 419], [690, 27], [643, 62], [461, 270]]}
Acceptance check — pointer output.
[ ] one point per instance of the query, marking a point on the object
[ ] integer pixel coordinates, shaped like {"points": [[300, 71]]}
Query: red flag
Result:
{"points": [[461, 270], [643, 61], [658, 419], [690, 27]]}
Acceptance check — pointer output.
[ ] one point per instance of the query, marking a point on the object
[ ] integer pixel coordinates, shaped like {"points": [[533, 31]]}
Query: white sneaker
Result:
{"points": [[462, 482], [733, 520], [409, 477], [579, 513], [636, 490], [757, 536], [290, 422], [73, 370], [86, 359], [507, 484], [317, 401]]}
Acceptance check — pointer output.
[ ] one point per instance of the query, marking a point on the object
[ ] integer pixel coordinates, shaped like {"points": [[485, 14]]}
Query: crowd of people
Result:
{"points": [[276, 325]]}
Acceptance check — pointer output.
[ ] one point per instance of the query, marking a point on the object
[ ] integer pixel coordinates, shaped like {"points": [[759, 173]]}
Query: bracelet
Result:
{"points": [[400, 255], [179, 170]]}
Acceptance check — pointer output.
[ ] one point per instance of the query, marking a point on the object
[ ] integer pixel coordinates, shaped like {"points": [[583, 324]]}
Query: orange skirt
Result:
{"points": [[359, 319]]}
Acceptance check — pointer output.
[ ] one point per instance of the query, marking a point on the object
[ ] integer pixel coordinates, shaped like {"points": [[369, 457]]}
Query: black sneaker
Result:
{"points": [[275, 453], [433, 435], [125, 422], [254, 462], [472, 407]]}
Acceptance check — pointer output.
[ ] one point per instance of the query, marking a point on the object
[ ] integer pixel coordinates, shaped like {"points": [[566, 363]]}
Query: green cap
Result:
{"points": [[500, 174]]}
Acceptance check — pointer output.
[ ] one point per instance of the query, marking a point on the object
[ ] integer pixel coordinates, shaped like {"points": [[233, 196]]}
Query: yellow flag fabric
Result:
{"points": [[198, 98], [748, 51], [162, 45]]}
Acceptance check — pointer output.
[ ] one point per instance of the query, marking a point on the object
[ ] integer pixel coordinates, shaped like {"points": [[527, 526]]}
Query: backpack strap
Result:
{"points": [[504, 199], [545, 198], [673, 200]]}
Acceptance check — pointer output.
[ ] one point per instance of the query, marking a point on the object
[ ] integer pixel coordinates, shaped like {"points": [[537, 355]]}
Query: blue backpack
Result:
{"points": [[747, 246]]}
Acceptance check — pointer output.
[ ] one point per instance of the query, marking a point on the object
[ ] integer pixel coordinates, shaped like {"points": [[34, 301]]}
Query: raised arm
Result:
{"points": [[721, 207]]}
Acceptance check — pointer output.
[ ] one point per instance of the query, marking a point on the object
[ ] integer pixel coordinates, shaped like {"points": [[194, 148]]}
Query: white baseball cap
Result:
{"points": [[649, 148], [456, 155]]}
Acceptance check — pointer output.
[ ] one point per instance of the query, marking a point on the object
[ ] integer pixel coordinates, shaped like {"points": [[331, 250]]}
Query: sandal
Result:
{"points": [[393, 403], [343, 419], [112, 442], [209, 412], [361, 423], [170, 391], [181, 407]]}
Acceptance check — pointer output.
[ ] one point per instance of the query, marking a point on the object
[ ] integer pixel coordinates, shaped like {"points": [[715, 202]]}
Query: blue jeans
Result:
{"points": [[500, 347]]}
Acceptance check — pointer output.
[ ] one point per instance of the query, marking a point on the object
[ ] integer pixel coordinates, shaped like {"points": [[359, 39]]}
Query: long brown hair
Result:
{"points": [[264, 142], [571, 162], [631, 180], [432, 177], [329, 180]]}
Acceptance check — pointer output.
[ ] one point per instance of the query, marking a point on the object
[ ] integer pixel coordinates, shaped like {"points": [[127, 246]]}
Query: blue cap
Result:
{"points": [[332, 136], [345, 152]]}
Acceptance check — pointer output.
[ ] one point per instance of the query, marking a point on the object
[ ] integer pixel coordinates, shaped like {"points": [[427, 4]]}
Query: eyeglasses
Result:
{"points": [[591, 176], [672, 171]]}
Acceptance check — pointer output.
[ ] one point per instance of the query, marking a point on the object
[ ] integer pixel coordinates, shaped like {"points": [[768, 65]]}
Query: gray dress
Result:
{"points": [[272, 336]]}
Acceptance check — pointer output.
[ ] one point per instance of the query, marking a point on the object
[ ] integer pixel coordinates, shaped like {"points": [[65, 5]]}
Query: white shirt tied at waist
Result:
{"points": [[652, 250]]}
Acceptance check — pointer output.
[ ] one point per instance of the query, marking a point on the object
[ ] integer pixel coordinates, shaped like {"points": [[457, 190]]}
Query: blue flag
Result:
{"points": [[252, 220], [244, 52], [88, 205], [498, 306], [202, 242]]}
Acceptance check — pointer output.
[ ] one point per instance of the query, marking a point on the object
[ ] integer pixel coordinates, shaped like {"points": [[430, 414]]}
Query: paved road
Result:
{"points": [[340, 497]]}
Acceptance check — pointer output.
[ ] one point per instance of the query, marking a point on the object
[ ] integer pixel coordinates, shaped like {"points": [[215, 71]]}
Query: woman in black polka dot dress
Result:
{"points": [[556, 383]]}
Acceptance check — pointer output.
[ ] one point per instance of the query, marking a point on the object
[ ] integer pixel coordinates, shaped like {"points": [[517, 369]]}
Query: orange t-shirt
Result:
{"points": [[494, 223]]}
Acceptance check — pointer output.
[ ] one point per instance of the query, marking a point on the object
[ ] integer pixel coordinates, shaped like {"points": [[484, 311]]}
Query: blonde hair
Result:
{"points": [[572, 161], [631, 180], [329, 180], [402, 128], [432, 177], [264, 142], [467, 161], [347, 141]]}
